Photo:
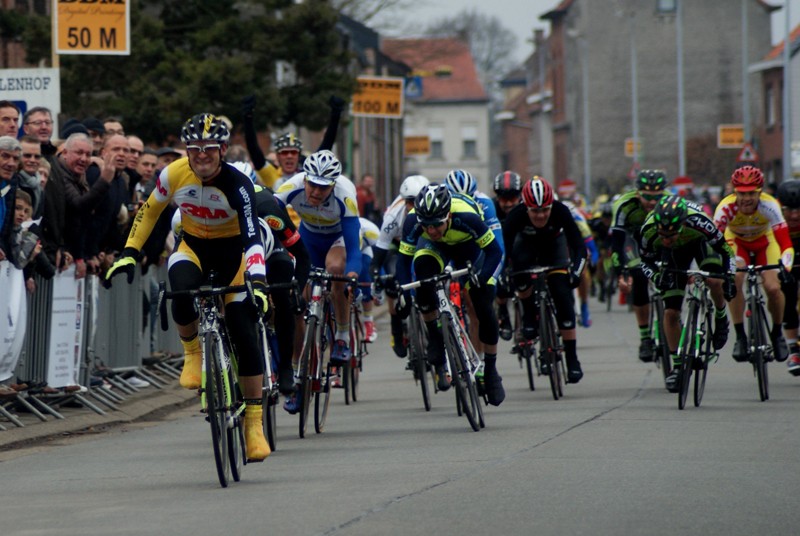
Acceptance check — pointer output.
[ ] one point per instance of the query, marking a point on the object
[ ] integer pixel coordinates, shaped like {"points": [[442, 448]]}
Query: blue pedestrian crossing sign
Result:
{"points": [[413, 87]]}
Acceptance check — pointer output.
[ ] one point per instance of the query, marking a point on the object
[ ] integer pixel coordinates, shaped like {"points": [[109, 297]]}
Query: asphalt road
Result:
{"points": [[614, 456]]}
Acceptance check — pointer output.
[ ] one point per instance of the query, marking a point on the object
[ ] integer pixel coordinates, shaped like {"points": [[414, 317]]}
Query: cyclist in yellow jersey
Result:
{"points": [[757, 232], [220, 234]]}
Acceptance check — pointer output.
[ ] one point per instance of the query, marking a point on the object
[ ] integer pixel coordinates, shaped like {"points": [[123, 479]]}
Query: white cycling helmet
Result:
{"points": [[267, 238], [246, 169], [322, 168], [412, 185]]}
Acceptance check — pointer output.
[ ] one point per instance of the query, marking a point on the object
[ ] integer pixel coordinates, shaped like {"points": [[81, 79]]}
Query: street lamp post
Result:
{"points": [[587, 142], [681, 126], [787, 103]]}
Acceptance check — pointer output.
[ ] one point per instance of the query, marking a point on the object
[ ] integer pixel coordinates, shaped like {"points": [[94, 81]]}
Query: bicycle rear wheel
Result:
{"points": [[527, 352], [416, 346], [235, 431], [322, 399], [215, 406], [466, 393], [701, 363], [308, 364]]}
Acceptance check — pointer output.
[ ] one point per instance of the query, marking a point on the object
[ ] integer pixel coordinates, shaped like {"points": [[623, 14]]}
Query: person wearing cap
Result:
{"points": [[288, 147], [754, 225], [326, 202], [166, 156], [96, 131]]}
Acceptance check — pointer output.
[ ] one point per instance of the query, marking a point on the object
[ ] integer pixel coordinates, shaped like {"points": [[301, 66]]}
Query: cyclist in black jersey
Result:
{"points": [[788, 195], [542, 232], [508, 194], [289, 260]]}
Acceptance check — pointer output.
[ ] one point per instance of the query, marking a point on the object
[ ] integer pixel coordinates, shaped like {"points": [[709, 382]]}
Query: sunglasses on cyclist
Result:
{"points": [[651, 197], [540, 210], [435, 224], [195, 149]]}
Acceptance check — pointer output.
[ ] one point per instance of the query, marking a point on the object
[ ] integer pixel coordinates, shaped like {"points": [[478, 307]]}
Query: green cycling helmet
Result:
{"points": [[670, 214], [653, 180]]}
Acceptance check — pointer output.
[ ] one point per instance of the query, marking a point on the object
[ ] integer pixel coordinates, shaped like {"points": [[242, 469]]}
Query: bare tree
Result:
{"points": [[492, 45], [368, 11]]}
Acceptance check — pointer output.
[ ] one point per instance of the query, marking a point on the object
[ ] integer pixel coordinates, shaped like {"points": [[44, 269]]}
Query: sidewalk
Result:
{"points": [[136, 406]]}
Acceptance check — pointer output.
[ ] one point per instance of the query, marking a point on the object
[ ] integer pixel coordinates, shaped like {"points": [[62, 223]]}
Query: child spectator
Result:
{"points": [[26, 247]]}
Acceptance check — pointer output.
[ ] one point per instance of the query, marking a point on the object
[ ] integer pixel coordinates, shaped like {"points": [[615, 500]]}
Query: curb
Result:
{"points": [[139, 406]]}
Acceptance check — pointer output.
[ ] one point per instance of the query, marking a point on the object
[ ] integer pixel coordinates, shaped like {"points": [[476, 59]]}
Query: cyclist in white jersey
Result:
{"points": [[325, 200], [369, 237], [385, 251]]}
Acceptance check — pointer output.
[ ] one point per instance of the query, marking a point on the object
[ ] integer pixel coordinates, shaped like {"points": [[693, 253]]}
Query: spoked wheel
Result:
{"points": [[416, 346], [269, 403], [308, 364], [355, 374], [215, 408], [527, 352], [759, 340], [548, 352], [344, 374], [235, 430], [322, 399], [701, 363], [466, 393]]}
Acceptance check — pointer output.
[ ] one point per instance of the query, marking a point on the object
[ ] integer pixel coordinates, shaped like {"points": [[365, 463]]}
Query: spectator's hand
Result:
{"points": [[337, 103], [30, 285], [36, 250], [108, 169], [248, 106], [729, 290], [63, 260], [124, 264], [80, 269], [93, 265]]}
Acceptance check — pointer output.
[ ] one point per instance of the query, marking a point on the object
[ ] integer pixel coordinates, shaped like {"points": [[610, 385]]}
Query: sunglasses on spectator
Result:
{"points": [[651, 197], [195, 149], [37, 124], [31, 155]]}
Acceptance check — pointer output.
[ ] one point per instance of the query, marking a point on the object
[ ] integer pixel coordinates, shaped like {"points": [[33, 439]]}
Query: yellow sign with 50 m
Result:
{"points": [[92, 27]]}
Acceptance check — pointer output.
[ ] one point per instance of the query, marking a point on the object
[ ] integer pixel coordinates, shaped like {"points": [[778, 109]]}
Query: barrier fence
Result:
{"points": [[79, 337]]}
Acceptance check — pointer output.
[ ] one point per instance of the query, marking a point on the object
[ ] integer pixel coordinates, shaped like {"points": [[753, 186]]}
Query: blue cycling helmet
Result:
{"points": [[461, 182]]}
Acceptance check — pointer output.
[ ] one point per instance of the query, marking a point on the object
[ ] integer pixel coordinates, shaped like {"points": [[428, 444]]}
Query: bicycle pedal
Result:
{"points": [[253, 460]]}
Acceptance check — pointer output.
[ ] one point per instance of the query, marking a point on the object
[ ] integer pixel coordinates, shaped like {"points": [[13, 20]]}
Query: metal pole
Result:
{"points": [[787, 89], [387, 164], [681, 126], [587, 144], [745, 75], [542, 125], [634, 91]]}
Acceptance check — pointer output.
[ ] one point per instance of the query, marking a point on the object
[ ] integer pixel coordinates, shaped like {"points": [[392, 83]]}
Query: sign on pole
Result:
{"points": [[92, 27], [378, 96], [747, 154], [32, 87], [629, 147], [416, 145], [730, 136]]}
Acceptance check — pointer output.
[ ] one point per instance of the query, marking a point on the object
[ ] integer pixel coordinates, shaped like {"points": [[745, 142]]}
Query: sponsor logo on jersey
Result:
{"points": [[204, 212], [160, 188], [275, 223], [351, 205], [256, 259]]}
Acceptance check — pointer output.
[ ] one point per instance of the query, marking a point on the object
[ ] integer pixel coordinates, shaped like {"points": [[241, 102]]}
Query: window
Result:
{"points": [[469, 141], [769, 106], [436, 135], [666, 6]]}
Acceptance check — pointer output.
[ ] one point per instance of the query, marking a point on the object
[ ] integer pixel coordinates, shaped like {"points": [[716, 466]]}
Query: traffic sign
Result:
{"points": [[378, 96], [730, 136], [93, 27], [747, 154], [416, 145], [629, 147]]}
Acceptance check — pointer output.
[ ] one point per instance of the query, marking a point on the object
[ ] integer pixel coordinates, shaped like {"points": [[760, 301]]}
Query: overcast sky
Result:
{"points": [[522, 16]]}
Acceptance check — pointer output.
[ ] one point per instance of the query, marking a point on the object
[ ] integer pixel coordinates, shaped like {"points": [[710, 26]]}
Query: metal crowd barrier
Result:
{"points": [[116, 340]]}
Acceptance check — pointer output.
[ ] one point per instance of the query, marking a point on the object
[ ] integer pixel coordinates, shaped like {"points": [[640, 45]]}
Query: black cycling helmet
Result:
{"points": [[432, 204], [670, 213], [653, 180], [205, 126], [507, 184], [288, 141], [789, 193]]}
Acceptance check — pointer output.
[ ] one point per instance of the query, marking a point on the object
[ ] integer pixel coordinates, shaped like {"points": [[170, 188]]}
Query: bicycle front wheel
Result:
{"points": [[466, 392], [322, 399], [760, 340], [686, 352], [235, 430], [214, 391], [701, 363], [548, 350], [419, 365], [308, 363]]}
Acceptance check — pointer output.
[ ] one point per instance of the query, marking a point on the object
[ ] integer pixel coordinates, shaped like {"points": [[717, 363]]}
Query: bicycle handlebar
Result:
{"points": [[761, 268], [540, 270], [436, 278], [702, 273], [322, 275]]}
